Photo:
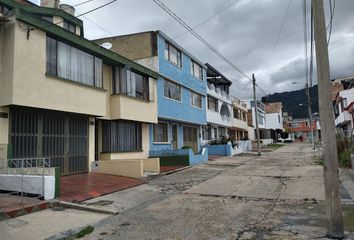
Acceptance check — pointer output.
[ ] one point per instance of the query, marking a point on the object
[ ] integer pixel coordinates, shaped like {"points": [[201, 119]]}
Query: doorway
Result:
{"points": [[174, 129]]}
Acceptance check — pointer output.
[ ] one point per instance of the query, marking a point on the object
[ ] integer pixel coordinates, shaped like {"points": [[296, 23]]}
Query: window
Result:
{"points": [[172, 90], [222, 132], [236, 113], [48, 18], [173, 54], [207, 132], [161, 133], [196, 70], [71, 63], [344, 103], [121, 136], [244, 118], [69, 26], [213, 103], [130, 83], [196, 99]]}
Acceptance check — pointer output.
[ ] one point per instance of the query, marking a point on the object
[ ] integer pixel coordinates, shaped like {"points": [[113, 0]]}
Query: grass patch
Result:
{"points": [[318, 160], [85, 231]]}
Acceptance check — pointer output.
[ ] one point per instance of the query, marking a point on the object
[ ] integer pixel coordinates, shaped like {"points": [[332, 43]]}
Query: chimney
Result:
{"points": [[50, 3], [67, 8]]}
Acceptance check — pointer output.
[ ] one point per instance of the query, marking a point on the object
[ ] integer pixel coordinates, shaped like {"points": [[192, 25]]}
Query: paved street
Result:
{"points": [[276, 196]]}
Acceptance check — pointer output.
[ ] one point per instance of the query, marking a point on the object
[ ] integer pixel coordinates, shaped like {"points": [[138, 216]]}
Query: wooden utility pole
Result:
{"points": [[330, 167], [256, 115], [310, 114]]}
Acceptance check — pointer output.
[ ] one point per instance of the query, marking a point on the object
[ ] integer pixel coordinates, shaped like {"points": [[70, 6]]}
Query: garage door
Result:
{"points": [[59, 136]]}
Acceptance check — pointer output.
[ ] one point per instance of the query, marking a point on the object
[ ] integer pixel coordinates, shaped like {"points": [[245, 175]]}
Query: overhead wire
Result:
{"points": [[209, 18], [332, 6]]}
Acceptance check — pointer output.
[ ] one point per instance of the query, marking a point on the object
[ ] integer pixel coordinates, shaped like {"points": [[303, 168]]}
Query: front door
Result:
{"points": [[190, 138], [174, 136]]}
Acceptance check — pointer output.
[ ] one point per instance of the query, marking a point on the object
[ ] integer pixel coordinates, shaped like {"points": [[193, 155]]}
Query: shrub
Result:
{"points": [[344, 148], [186, 147]]}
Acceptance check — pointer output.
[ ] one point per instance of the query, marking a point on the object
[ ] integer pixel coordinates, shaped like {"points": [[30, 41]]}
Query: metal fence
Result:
{"points": [[18, 172]]}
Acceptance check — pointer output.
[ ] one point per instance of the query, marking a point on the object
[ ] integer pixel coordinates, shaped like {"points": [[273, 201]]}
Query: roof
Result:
{"points": [[32, 16], [221, 79]]}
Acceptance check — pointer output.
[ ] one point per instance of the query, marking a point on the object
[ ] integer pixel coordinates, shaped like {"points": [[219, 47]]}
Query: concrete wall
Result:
{"points": [[274, 121], [31, 184], [225, 149], [129, 168], [132, 46], [193, 158]]}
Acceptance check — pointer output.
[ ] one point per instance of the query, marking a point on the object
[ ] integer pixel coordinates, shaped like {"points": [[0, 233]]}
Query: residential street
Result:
{"points": [[276, 196]]}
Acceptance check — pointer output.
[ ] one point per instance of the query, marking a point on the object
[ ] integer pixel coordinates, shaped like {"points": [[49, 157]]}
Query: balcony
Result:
{"points": [[218, 93], [343, 118]]}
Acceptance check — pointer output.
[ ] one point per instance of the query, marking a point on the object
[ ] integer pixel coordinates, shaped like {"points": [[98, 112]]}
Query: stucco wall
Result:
{"points": [[128, 155], [33, 89], [272, 121], [239, 123]]}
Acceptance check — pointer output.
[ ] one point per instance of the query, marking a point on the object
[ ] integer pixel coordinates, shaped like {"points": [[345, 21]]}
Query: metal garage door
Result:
{"points": [[59, 136]]}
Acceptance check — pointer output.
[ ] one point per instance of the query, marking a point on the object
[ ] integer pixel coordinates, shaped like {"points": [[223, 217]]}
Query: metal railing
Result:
{"points": [[21, 170]]}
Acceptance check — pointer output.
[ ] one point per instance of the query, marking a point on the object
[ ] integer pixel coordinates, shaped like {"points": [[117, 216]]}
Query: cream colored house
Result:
{"points": [[66, 98], [239, 130]]}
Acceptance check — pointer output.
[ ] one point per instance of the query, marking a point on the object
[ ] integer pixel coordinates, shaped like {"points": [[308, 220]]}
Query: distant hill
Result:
{"points": [[292, 99]]}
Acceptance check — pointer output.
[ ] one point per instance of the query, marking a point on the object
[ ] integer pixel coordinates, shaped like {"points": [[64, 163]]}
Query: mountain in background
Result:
{"points": [[291, 101]]}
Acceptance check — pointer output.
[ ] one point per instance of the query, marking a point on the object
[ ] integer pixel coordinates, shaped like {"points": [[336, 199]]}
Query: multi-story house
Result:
{"points": [[301, 128], [181, 89], [219, 112], [274, 119], [343, 105], [260, 114], [66, 98], [240, 126]]}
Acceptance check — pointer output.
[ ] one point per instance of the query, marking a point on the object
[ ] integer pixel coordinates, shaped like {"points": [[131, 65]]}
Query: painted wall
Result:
{"points": [[183, 110], [127, 155], [274, 121]]}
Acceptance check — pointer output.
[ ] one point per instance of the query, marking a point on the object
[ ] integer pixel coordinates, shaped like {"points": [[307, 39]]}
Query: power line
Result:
{"points": [[95, 9], [332, 7], [209, 19], [200, 38], [278, 36]]}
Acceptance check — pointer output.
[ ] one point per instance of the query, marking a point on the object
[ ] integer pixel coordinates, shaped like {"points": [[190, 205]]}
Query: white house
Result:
{"points": [[274, 118], [219, 106]]}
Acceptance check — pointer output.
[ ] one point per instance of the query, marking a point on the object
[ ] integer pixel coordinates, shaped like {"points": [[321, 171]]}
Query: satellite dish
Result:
{"points": [[106, 45]]}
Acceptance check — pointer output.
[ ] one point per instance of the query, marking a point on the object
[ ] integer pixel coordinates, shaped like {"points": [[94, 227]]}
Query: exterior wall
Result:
{"points": [[251, 134], [171, 109], [215, 117], [274, 121], [133, 46], [127, 155], [28, 85]]}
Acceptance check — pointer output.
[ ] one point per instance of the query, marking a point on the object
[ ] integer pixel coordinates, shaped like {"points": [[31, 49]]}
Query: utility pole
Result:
{"points": [[310, 114], [256, 115], [335, 227]]}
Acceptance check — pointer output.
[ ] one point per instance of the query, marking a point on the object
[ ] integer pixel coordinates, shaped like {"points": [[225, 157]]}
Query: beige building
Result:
{"points": [[239, 130], [68, 99]]}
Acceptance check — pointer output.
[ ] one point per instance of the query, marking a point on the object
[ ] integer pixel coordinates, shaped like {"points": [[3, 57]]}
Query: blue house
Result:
{"points": [[181, 93]]}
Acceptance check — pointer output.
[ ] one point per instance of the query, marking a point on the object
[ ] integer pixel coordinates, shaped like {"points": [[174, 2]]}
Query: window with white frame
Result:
{"points": [[213, 103], [207, 132], [173, 54], [196, 70], [172, 90], [196, 99], [161, 133]]}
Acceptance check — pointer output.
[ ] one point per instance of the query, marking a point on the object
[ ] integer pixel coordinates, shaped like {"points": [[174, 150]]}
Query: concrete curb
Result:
{"points": [[167, 173], [23, 211], [85, 208]]}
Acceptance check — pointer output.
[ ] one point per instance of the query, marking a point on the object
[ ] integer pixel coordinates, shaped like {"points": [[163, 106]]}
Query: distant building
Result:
{"points": [[343, 104], [258, 112], [240, 128], [274, 119], [301, 128]]}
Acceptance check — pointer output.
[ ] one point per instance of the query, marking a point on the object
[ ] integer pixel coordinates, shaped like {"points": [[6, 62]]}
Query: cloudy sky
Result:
{"points": [[245, 31]]}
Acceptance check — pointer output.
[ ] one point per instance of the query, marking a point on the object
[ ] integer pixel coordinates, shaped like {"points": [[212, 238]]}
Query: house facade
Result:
{"points": [[274, 119], [219, 106], [240, 128], [301, 129], [65, 98], [343, 108], [181, 89], [258, 112]]}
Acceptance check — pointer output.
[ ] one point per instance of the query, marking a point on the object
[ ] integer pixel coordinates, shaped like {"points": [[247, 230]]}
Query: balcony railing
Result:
{"points": [[218, 91]]}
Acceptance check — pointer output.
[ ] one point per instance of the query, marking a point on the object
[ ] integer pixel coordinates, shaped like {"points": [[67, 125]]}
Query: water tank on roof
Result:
{"points": [[50, 3], [67, 8]]}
